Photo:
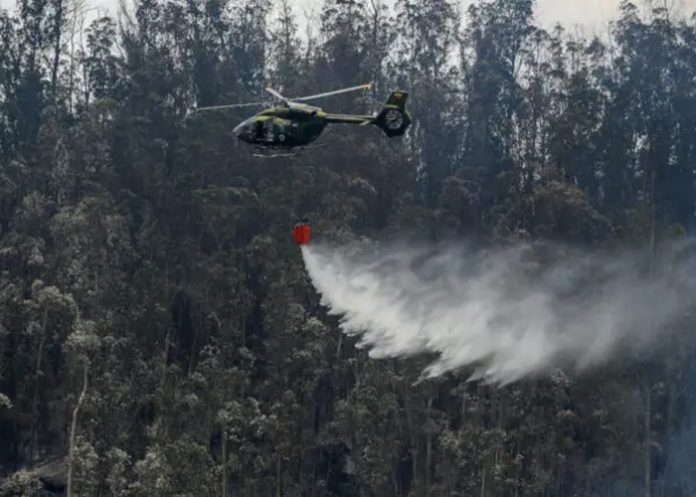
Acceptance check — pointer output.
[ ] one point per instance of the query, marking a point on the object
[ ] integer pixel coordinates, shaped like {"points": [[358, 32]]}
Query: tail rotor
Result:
{"points": [[394, 119]]}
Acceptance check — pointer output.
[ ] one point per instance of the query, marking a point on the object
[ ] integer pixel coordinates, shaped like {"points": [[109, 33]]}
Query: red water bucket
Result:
{"points": [[302, 233]]}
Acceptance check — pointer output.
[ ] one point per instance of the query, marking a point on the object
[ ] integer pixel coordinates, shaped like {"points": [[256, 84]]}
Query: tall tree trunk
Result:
{"points": [[57, 39], [428, 452], [647, 469], [192, 356], [37, 381], [225, 475], [339, 346], [413, 439], [648, 400], [652, 221], [73, 431], [71, 72], [278, 489]]}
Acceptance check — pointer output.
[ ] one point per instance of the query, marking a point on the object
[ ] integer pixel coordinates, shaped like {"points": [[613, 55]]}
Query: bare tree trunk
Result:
{"points": [[413, 439], [648, 407], [71, 72], [165, 358], [428, 462], [164, 429], [559, 479], [225, 475], [652, 221], [301, 477], [73, 431], [338, 346], [376, 73], [57, 32], [278, 490], [428, 453], [192, 356], [37, 380]]}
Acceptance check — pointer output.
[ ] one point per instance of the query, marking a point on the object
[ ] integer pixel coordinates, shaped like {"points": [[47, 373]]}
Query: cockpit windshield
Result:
{"points": [[246, 128]]}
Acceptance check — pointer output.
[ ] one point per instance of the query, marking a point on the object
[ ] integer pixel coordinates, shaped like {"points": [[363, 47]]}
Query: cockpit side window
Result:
{"points": [[265, 130]]}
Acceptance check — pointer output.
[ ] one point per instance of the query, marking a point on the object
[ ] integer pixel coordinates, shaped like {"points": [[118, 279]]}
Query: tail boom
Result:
{"points": [[393, 119], [349, 119]]}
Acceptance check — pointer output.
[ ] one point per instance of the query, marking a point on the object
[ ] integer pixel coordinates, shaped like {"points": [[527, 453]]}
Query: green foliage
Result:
{"points": [[21, 484]]}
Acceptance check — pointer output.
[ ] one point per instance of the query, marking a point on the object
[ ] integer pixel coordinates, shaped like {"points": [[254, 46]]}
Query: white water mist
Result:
{"points": [[509, 312]]}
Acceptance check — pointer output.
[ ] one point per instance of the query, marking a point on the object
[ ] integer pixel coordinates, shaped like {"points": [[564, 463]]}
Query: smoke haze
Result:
{"points": [[508, 313]]}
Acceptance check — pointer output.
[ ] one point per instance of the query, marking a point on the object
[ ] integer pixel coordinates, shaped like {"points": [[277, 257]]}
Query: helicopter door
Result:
{"points": [[265, 131], [283, 130]]}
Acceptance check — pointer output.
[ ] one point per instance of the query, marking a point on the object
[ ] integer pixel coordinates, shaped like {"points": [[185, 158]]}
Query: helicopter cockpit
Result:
{"points": [[255, 130], [247, 130], [244, 130]]}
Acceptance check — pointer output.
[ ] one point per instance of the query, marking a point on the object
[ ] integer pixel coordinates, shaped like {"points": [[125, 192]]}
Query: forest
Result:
{"points": [[159, 335]]}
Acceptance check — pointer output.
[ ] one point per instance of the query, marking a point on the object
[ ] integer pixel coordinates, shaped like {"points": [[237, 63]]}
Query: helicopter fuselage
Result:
{"points": [[282, 127], [295, 124], [291, 126]]}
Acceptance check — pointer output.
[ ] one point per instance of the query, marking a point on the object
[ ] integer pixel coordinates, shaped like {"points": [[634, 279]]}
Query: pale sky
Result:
{"points": [[588, 15]]}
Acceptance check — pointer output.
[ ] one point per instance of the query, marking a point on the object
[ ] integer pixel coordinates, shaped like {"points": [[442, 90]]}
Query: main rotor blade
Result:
{"points": [[276, 94], [232, 106], [366, 86]]}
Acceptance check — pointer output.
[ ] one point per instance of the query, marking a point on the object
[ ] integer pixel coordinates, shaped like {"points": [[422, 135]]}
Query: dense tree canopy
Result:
{"points": [[158, 333]]}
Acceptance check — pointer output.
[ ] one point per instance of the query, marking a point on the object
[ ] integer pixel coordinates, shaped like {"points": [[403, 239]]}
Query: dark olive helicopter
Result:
{"points": [[291, 125]]}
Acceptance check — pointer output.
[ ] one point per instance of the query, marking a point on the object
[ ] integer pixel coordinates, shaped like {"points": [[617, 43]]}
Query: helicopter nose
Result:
{"points": [[243, 132], [238, 131]]}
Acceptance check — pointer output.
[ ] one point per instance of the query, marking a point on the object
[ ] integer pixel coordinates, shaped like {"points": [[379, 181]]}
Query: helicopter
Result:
{"points": [[291, 124]]}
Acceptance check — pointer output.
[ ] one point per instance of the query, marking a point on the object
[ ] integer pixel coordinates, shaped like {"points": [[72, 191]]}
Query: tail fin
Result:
{"points": [[394, 119]]}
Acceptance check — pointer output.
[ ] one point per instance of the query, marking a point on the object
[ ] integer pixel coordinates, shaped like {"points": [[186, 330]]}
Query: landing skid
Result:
{"points": [[261, 152]]}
